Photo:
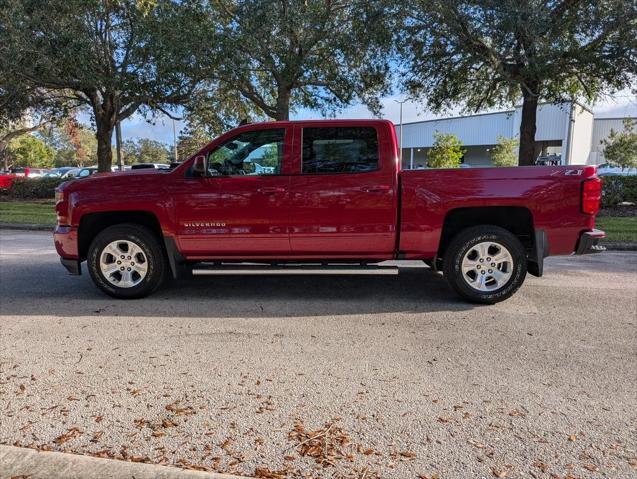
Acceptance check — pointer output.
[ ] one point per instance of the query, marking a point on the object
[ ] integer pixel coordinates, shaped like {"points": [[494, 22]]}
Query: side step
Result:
{"points": [[253, 270]]}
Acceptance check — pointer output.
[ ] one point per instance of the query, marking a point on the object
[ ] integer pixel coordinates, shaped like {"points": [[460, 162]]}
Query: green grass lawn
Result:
{"points": [[617, 228], [27, 212], [43, 213]]}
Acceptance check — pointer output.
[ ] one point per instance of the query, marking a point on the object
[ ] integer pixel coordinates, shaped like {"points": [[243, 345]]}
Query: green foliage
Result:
{"points": [[617, 189], [274, 57], [620, 148], [72, 146], [27, 150], [190, 141], [114, 58], [504, 153], [479, 53], [144, 150], [446, 152], [34, 188]]}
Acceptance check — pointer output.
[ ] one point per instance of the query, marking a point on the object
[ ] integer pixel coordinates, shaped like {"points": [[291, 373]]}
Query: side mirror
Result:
{"points": [[199, 166]]}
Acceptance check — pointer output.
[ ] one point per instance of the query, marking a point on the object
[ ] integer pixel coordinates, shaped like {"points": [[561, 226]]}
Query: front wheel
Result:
{"points": [[485, 264], [126, 261]]}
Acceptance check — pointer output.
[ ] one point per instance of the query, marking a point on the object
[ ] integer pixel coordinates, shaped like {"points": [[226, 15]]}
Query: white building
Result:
{"points": [[567, 133]]}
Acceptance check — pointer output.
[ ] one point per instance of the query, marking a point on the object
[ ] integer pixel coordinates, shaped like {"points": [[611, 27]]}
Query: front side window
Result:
{"points": [[340, 150], [249, 153]]}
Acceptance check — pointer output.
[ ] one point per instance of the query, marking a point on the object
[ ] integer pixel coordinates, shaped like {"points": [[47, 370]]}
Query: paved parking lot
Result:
{"points": [[399, 378]]}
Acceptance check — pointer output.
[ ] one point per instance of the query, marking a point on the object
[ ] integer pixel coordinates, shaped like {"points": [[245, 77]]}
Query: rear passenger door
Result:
{"points": [[343, 195]]}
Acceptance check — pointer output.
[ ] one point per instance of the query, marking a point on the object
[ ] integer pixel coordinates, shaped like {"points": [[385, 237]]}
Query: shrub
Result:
{"points": [[616, 189], [446, 152], [504, 153], [34, 188]]}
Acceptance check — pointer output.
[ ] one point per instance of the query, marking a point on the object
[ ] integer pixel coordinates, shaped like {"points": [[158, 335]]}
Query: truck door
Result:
{"points": [[343, 199], [240, 207]]}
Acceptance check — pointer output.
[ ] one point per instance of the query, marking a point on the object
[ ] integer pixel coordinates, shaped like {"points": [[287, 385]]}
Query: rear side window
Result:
{"points": [[339, 150]]}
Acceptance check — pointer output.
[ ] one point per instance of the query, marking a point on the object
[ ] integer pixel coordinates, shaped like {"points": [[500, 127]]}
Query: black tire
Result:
{"points": [[466, 243], [153, 255]]}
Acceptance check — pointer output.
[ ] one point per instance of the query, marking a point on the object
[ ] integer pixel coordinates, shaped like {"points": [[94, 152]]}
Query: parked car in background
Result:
{"points": [[59, 172], [144, 166], [70, 174], [87, 171], [606, 169]]}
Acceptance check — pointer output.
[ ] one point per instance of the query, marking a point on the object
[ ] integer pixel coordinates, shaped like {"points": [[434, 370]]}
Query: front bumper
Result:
{"points": [[589, 242], [73, 266], [65, 238]]}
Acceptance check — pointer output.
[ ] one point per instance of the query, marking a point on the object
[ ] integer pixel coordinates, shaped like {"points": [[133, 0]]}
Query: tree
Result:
{"points": [[24, 110], [446, 152], [27, 150], [275, 56], [620, 148], [73, 143], [113, 57], [504, 154], [144, 150], [485, 53], [190, 141]]}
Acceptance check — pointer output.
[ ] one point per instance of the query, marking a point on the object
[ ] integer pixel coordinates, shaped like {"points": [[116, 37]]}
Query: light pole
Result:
{"points": [[175, 141], [118, 145], [400, 153]]}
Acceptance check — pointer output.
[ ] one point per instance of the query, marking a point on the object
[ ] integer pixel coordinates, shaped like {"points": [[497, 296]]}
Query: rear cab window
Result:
{"points": [[334, 150]]}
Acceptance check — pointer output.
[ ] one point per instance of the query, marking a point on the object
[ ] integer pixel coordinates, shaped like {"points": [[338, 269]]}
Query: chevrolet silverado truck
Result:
{"points": [[323, 197]]}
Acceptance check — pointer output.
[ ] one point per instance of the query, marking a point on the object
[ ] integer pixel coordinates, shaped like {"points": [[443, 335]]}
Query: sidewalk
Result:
{"points": [[23, 463]]}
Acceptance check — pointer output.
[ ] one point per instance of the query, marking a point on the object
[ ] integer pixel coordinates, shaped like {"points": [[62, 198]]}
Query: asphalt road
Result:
{"points": [[403, 378]]}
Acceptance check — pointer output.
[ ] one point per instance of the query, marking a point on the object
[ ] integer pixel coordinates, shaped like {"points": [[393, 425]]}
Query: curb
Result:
{"points": [[23, 462], [26, 227], [620, 246]]}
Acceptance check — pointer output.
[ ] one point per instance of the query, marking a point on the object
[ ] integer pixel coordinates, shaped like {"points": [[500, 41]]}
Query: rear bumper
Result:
{"points": [[589, 242]]}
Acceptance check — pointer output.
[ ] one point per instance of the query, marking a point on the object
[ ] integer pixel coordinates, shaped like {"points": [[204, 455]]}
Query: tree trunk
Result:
{"points": [[104, 136], [528, 150], [282, 112]]}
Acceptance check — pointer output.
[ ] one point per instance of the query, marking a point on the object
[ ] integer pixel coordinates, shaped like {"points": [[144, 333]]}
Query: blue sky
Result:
{"points": [[623, 104]]}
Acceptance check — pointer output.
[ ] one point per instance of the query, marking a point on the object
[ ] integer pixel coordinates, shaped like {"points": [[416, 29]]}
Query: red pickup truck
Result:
{"points": [[323, 197]]}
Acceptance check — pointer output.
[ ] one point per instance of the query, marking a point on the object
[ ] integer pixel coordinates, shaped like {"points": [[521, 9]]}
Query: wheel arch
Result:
{"points": [[516, 219], [91, 224]]}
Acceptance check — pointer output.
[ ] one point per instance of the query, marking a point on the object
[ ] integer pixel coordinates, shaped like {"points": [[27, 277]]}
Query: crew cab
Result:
{"points": [[323, 197]]}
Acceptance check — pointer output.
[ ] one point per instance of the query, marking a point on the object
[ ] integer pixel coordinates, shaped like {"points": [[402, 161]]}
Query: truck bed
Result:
{"points": [[551, 196]]}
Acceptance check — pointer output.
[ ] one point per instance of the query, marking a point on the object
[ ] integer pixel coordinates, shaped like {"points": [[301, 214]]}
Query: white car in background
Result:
{"points": [[606, 169]]}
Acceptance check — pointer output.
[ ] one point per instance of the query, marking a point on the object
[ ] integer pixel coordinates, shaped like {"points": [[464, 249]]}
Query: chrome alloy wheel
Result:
{"points": [[487, 266], [123, 264]]}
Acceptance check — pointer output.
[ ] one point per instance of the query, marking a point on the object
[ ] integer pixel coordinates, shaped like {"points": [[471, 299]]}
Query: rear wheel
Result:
{"points": [[126, 261], [485, 264]]}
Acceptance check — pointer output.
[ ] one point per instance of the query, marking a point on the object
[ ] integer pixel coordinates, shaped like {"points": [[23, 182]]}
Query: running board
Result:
{"points": [[294, 270]]}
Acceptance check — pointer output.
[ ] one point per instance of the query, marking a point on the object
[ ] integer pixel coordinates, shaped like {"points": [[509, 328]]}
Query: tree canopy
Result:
{"points": [[27, 150], [277, 56], [144, 150], [113, 57], [486, 53]]}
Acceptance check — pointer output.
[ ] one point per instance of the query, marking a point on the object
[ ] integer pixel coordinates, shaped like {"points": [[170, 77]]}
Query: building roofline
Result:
{"points": [[616, 118], [511, 111], [458, 117]]}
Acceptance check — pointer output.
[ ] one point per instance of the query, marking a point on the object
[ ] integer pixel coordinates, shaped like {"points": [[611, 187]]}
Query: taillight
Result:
{"points": [[591, 196]]}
